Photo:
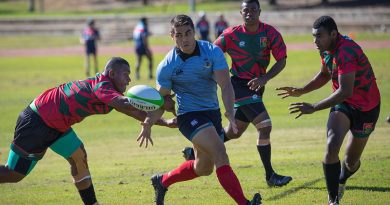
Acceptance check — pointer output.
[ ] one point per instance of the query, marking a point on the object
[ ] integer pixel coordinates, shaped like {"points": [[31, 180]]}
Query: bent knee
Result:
{"points": [[79, 165], [11, 175], [205, 171]]}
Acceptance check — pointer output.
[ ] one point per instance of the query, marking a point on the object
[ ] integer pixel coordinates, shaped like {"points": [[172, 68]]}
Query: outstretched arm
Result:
{"points": [[121, 105], [345, 90], [317, 82], [150, 120]]}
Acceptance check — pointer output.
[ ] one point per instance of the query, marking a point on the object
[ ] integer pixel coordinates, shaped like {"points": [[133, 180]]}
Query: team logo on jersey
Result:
{"points": [[207, 64], [263, 41], [368, 128], [179, 71], [254, 97], [242, 44], [194, 122]]}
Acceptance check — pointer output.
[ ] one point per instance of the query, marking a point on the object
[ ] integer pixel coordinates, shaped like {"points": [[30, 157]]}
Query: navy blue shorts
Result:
{"points": [[192, 122], [90, 47], [248, 103], [362, 123]]}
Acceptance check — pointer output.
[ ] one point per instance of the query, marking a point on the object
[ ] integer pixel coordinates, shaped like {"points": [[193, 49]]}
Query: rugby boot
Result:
{"points": [[159, 189], [277, 180]]}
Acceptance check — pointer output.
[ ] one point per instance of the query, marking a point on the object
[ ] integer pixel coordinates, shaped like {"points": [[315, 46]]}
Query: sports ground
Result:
{"points": [[121, 170]]}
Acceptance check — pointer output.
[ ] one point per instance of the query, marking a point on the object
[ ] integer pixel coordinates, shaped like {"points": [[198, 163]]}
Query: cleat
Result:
{"points": [[341, 190], [159, 189], [256, 200], [278, 180], [336, 202], [188, 153]]}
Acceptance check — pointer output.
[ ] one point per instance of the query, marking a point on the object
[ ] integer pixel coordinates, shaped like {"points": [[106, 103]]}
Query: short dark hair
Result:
{"points": [[181, 20], [252, 1], [116, 63], [326, 22]]}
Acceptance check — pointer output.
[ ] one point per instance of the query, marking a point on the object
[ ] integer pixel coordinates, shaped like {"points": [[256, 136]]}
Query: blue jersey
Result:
{"points": [[192, 79], [139, 34]]}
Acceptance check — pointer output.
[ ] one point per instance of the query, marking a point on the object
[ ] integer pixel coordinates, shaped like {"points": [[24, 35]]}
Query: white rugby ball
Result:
{"points": [[144, 98]]}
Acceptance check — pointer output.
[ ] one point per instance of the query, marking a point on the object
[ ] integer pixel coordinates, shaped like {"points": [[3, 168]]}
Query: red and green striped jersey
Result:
{"points": [[70, 103], [250, 51], [349, 57]]}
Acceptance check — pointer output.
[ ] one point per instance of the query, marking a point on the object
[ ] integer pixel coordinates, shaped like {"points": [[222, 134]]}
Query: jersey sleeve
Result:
{"points": [[219, 60], [278, 46], [221, 42], [346, 61], [106, 92], [163, 79]]}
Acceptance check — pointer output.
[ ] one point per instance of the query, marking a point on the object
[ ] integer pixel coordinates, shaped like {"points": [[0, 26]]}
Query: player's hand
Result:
{"points": [[257, 83], [144, 136], [289, 92], [172, 123], [232, 121], [301, 108], [169, 104]]}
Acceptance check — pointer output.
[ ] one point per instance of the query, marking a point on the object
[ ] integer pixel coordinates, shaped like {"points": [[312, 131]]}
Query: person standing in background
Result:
{"points": [[220, 25], [203, 27], [140, 35], [89, 38]]}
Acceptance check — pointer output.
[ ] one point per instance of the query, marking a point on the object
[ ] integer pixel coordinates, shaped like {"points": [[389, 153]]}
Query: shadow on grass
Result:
{"points": [[294, 189], [365, 188]]}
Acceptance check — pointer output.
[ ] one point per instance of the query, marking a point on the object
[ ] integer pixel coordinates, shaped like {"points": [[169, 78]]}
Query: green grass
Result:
{"points": [[50, 41], [121, 169]]}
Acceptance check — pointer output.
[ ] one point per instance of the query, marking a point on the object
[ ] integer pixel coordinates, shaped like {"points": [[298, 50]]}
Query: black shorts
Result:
{"points": [[362, 123], [192, 122], [141, 50], [248, 103], [32, 135]]}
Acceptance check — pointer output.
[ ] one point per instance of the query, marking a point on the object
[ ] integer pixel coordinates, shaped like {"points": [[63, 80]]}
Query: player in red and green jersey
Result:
{"points": [[250, 46], [47, 122], [354, 103]]}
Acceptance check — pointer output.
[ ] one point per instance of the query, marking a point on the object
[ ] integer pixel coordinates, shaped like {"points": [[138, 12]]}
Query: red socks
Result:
{"points": [[184, 172], [230, 183]]}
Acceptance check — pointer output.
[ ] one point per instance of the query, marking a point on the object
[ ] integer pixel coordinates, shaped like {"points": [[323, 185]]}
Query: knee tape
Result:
{"points": [[79, 165], [263, 124]]}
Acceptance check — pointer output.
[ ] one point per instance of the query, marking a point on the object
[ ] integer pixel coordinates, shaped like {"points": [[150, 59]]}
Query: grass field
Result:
{"points": [[121, 170]]}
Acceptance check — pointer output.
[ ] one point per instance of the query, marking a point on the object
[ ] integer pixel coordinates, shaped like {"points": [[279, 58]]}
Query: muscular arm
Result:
{"points": [[345, 90], [121, 105], [153, 117], [317, 82], [276, 69], [223, 80]]}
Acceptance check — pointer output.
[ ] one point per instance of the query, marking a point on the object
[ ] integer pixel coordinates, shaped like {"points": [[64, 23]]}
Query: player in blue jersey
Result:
{"points": [[89, 38], [141, 34], [192, 70]]}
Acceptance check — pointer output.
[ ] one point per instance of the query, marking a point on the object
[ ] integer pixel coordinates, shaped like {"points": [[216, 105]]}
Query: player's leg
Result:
{"points": [[258, 115], [149, 56], [211, 149], [362, 125], [27, 147], [87, 64], [95, 61], [71, 148], [337, 127]]}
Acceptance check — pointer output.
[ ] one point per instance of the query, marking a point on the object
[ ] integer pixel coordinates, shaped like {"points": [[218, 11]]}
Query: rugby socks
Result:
{"points": [[265, 155], [332, 174], [184, 172], [345, 173], [230, 183], [88, 195]]}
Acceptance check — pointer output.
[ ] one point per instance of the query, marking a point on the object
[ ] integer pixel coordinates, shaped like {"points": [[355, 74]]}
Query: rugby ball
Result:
{"points": [[144, 98]]}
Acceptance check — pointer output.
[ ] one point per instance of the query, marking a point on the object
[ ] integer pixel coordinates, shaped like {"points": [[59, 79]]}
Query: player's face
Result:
{"points": [[120, 78], [323, 39], [250, 13], [184, 37]]}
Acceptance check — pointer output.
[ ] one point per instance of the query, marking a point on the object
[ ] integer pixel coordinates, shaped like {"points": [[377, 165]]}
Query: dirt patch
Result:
{"points": [[118, 51]]}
